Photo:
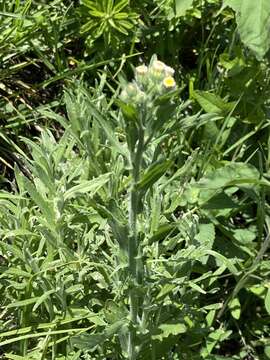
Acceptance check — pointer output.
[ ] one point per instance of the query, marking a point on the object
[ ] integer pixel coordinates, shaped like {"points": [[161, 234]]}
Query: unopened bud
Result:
{"points": [[141, 70], [158, 66], [169, 71]]}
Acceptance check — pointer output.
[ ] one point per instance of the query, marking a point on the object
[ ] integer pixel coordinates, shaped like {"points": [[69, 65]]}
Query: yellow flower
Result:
{"points": [[169, 82]]}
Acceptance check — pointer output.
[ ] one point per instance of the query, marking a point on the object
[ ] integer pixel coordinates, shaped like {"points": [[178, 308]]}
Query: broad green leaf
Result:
{"points": [[196, 287], [168, 329], [209, 186], [114, 312], [259, 291], [220, 201], [253, 21], [210, 317], [267, 301], [181, 7], [267, 351], [89, 186], [231, 174], [244, 235], [212, 103], [206, 237], [235, 308], [216, 336]]}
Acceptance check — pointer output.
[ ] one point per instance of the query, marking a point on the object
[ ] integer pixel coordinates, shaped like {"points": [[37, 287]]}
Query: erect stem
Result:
{"points": [[133, 245]]}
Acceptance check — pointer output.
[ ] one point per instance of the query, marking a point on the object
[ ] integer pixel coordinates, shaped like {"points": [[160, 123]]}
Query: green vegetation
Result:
{"points": [[134, 202]]}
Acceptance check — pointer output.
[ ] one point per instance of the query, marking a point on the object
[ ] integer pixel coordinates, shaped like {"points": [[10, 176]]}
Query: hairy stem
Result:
{"points": [[133, 245]]}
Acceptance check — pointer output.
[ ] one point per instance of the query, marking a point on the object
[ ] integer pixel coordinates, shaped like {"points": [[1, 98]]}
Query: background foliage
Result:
{"points": [[204, 224]]}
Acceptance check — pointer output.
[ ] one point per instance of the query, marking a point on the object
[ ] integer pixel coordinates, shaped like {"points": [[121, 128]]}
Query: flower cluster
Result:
{"points": [[150, 82]]}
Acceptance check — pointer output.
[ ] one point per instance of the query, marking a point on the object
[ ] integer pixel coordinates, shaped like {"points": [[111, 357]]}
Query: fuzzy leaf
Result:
{"points": [[152, 174], [90, 186], [88, 341]]}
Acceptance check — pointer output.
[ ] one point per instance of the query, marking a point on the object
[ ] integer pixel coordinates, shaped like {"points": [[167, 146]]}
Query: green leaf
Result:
{"points": [[235, 308], [42, 203], [88, 341], [253, 20], [165, 330], [267, 301], [165, 290], [212, 103], [17, 272], [267, 351], [17, 357], [220, 201], [259, 291], [24, 302], [226, 261], [43, 298], [206, 237], [152, 174], [17, 232], [89, 186], [104, 124], [196, 287], [181, 7], [234, 174], [162, 232]]}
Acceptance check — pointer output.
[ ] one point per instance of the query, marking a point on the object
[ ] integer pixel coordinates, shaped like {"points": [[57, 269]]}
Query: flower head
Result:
{"points": [[149, 83], [169, 82], [132, 89], [169, 71], [141, 70], [158, 66]]}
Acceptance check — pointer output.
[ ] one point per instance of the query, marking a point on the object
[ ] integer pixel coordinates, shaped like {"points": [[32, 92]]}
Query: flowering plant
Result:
{"points": [[148, 101], [150, 83]]}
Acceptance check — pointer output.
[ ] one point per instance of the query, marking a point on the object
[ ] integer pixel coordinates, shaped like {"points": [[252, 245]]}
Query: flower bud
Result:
{"points": [[158, 66], [169, 71], [124, 96], [141, 70], [157, 71], [132, 89]]}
